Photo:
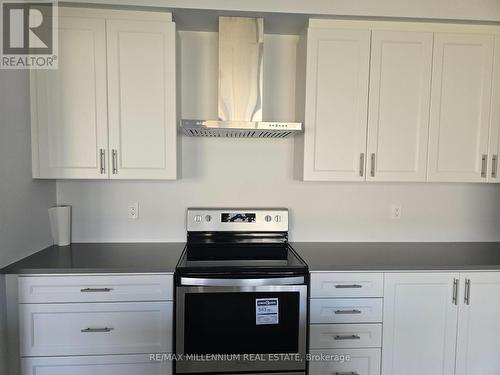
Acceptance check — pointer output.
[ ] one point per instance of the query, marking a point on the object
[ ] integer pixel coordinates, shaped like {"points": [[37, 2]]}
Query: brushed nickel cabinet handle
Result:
{"points": [[102, 160], [362, 164], [467, 292], [114, 154], [95, 290], [96, 330], [494, 166], [484, 165], [347, 337], [348, 286], [455, 292], [372, 167], [340, 312], [346, 373]]}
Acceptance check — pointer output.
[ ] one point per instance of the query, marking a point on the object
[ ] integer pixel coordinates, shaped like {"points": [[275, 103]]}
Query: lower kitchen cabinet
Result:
{"points": [[345, 336], [98, 365], [478, 350], [420, 324], [95, 328], [441, 324], [94, 324], [345, 362]]}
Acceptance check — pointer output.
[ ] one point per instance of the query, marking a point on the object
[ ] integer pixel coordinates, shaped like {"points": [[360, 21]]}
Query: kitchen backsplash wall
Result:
{"points": [[252, 172]]}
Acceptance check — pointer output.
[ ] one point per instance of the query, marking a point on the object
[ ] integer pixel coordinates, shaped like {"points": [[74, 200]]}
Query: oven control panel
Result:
{"points": [[237, 219]]}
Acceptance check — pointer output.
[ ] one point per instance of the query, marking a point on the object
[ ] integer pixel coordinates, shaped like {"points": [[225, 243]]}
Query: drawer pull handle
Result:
{"points": [[348, 286], [347, 337], [346, 373], [95, 290], [347, 312], [96, 330]]}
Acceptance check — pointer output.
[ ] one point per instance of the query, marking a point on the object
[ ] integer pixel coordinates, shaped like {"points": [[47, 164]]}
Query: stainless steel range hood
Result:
{"points": [[241, 57]]}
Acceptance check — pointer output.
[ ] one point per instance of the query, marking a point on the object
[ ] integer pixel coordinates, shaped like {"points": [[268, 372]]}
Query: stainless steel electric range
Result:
{"points": [[241, 295]]}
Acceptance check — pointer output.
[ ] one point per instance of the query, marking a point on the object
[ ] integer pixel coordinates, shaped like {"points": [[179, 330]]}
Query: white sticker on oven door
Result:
{"points": [[266, 311]]}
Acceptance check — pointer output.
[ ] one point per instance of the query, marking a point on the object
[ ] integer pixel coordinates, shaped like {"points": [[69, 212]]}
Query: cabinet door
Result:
{"points": [[345, 362], [398, 115], [96, 365], [420, 324], [460, 107], [68, 105], [336, 104], [142, 100], [65, 329], [478, 351], [493, 163]]}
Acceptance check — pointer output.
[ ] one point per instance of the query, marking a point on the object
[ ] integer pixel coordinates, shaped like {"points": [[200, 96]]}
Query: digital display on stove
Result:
{"points": [[237, 218]]}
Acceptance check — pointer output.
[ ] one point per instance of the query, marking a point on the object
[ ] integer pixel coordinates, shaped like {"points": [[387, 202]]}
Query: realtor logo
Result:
{"points": [[29, 35]]}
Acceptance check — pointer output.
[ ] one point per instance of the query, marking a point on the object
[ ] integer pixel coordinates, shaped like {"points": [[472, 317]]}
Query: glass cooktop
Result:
{"points": [[235, 258]]}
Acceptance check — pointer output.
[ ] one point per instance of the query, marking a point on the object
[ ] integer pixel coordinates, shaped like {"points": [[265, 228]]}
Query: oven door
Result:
{"points": [[241, 327]]}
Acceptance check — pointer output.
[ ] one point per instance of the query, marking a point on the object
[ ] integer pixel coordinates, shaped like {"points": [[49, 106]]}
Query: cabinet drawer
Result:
{"points": [[95, 288], [345, 362], [338, 285], [95, 328], [101, 365], [341, 336], [347, 310]]}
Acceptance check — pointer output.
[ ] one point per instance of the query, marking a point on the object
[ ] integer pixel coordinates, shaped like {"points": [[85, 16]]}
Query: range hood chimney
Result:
{"points": [[241, 58]]}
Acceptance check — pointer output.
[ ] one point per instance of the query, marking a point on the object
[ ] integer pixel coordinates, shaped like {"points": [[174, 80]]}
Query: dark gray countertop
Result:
{"points": [[101, 258], [320, 256], [390, 256]]}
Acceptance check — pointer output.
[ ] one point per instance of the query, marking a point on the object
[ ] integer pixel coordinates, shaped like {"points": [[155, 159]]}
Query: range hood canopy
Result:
{"points": [[241, 57]]}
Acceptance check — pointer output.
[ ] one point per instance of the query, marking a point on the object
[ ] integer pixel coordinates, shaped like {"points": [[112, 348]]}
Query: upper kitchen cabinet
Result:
{"points": [[460, 107], [493, 167], [109, 111], [336, 88], [398, 114], [68, 106], [346, 68], [398, 101], [141, 99]]}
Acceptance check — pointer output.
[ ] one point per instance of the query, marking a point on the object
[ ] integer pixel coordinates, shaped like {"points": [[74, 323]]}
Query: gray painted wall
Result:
{"points": [[3, 343], [24, 224]]}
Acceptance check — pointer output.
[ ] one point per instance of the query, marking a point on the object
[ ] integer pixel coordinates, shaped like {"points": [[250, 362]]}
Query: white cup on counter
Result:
{"points": [[60, 224]]}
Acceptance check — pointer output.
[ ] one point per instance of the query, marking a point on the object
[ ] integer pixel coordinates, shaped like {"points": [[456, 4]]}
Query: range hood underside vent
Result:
{"points": [[231, 133], [240, 129]]}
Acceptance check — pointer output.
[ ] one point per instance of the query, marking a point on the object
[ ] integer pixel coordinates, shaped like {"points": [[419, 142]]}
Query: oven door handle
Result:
{"points": [[197, 281]]}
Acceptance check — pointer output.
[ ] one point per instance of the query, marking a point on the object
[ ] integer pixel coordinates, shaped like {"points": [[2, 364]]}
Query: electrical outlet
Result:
{"points": [[133, 210], [396, 212]]}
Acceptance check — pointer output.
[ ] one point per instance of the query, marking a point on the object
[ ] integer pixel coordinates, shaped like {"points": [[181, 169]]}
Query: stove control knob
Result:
{"points": [[268, 218], [208, 218], [197, 218], [277, 218]]}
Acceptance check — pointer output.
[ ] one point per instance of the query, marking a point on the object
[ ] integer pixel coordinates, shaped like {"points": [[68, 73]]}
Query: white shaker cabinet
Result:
{"points": [[460, 107], [336, 86], [367, 95], [141, 99], [109, 111], [478, 351], [95, 365], [420, 323], [68, 105], [398, 115], [493, 162]]}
